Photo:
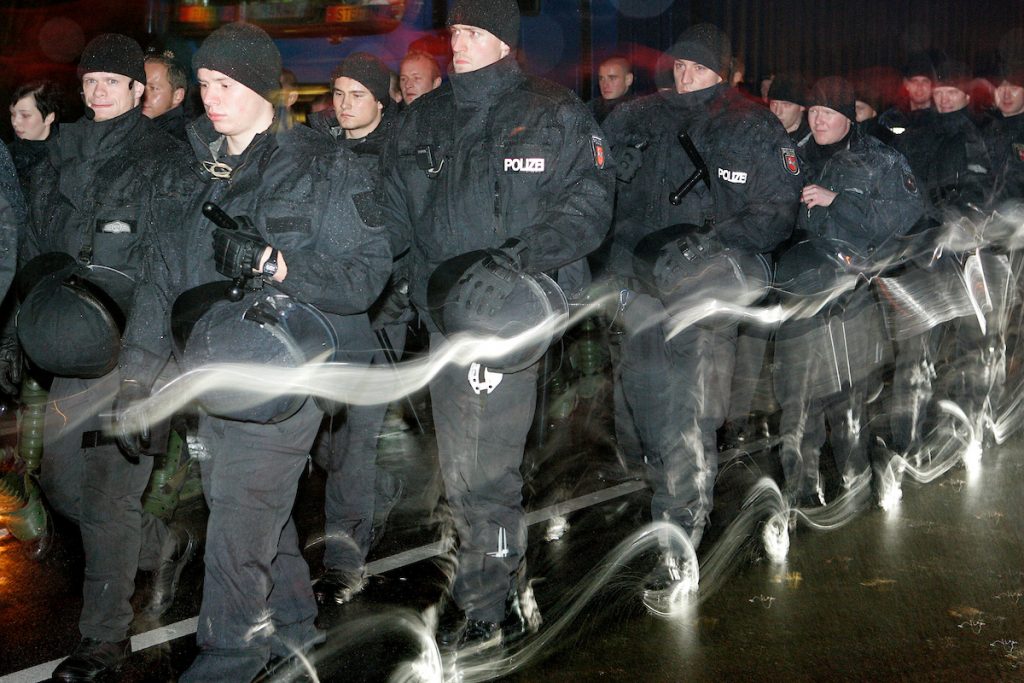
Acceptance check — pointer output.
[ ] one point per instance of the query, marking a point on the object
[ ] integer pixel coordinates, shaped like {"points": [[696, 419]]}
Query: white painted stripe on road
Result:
{"points": [[186, 627]]}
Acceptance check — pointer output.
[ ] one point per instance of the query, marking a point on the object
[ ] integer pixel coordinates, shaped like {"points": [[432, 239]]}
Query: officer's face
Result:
{"points": [[416, 77], [1010, 99], [827, 125], [613, 80], [949, 99], [474, 48], [234, 109], [160, 98], [110, 95], [865, 111], [357, 110], [789, 113], [27, 122], [919, 90], [691, 76]]}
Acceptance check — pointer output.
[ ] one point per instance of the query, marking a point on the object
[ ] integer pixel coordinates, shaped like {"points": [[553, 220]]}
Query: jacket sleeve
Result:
{"points": [[391, 194], [577, 210], [765, 213], [345, 269]]}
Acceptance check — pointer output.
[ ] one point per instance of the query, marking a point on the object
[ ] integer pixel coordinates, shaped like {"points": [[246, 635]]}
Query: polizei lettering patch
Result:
{"points": [[738, 177], [528, 165]]}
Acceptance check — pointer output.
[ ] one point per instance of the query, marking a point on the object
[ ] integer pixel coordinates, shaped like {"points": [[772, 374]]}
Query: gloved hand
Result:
{"points": [[512, 254], [628, 160], [131, 428], [237, 253], [10, 365], [486, 284], [392, 305], [682, 259], [700, 246]]}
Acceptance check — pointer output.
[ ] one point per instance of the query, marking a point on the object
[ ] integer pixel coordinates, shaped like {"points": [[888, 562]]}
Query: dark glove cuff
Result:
{"points": [[517, 250]]}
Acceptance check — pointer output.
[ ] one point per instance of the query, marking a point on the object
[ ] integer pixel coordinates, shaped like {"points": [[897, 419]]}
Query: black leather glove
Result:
{"points": [[237, 253], [131, 429], [10, 365], [513, 254], [486, 284], [700, 245], [627, 162]]}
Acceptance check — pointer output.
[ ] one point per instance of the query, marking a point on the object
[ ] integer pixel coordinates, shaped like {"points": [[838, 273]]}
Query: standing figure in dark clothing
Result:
{"points": [[501, 161], [678, 390], [614, 79], [166, 87], [361, 120], [310, 239], [859, 197], [786, 97], [99, 198], [35, 113], [1004, 136]]}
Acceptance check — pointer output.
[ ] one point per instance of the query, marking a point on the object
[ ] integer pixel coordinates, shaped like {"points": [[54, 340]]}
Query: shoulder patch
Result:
{"points": [[910, 183], [598, 146], [791, 161], [369, 210], [1018, 149]]}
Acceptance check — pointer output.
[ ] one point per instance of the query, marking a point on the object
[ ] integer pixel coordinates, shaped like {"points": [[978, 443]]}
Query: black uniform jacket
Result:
{"points": [[877, 195], [103, 195], [494, 154], [1004, 139], [305, 196], [949, 158], [754, 170]]}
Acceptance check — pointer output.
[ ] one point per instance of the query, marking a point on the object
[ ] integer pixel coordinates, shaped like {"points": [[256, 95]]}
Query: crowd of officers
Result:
{"points": [[237, 222]]}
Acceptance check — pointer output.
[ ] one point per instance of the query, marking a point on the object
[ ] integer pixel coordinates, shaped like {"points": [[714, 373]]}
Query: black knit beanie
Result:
{"points": [[952, 74], [788, 88], [835, 93], [368, 70], [707, 45], [245, 53], [115, 54], [500, 17]]}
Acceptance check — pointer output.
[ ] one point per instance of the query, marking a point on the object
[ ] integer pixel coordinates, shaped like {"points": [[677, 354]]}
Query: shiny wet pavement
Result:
{"points": [[932, 589]]}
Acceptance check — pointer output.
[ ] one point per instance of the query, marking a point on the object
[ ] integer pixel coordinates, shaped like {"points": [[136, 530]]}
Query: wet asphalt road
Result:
{"points": [[930, 590]]}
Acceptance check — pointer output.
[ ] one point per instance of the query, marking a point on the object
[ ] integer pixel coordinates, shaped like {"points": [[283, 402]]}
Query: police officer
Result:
{"points": [[498, 160], [98, 199], [361, 120], [302, 205], [859, 197], [786, 97], [678, 390], [1004, 136], [166, 87], [614, 80], [417, 74], [946, 152]]}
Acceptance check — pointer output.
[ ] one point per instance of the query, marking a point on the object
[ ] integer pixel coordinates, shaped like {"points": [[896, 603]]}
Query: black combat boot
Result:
{"points": [[93, 660], [177, 553]]}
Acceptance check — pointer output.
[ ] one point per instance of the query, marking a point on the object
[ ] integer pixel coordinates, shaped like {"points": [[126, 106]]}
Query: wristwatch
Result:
{"points": [[270, 267]]}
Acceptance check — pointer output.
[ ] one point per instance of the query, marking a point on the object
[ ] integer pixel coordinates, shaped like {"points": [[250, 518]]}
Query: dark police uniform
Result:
{"points": [[877, 200], [513, 156], [307, 199], [678, 391], [349, 444], [1004, 140], [100, 197]]}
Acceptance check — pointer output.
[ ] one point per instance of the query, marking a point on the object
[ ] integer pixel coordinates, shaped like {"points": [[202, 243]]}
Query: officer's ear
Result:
{"points": [[138, 90], [505, 49], [177, 97], [629, 81]]}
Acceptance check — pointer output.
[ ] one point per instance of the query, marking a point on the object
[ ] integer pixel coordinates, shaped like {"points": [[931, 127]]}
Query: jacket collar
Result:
{"points": [[97, 140], [483, 87]]}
